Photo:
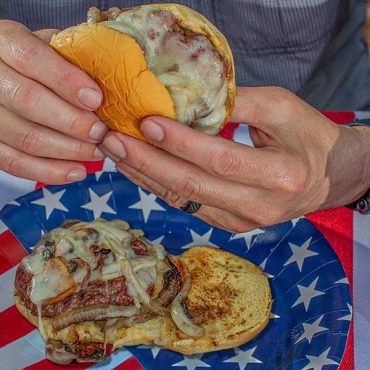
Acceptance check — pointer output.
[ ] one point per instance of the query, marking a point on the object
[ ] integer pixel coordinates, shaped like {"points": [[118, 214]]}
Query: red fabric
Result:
{"points": [[340, 117], [337, 227], [10, 256]]}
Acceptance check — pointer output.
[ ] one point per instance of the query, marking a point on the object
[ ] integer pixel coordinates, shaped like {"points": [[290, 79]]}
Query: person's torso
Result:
{"points": [[274, 42]]}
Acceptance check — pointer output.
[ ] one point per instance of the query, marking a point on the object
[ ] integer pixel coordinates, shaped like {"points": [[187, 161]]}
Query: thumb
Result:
{"points": [[46, 34], [264, 108]]}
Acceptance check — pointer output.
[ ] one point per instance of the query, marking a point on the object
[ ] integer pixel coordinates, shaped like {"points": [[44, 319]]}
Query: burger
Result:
{"points": [[92, 287], [158, 59]]}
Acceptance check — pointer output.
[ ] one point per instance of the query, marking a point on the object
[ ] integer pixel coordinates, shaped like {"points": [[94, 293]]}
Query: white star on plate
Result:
{"points": [[243, 358], [318, 362], [342, 281], [273, 315], [247, 236], [98, 175], [154, 349], [263, 266], [157, 241], [295, 221], [307, 294], [147, 204], [14, 203], [51, 201], [192, 362], [300, 253], [309, 330], [199, 239], [349, 316], [99, 204]]}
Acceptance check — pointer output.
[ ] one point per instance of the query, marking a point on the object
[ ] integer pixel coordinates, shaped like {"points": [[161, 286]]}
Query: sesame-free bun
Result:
{"points": [[117, 63]]}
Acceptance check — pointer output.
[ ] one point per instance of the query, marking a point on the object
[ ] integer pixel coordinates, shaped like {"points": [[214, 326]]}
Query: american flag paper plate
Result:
{"points": [[312, 304]]}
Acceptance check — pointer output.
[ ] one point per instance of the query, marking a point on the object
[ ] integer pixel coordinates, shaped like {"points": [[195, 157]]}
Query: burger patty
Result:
{"points": [[113, 291]]}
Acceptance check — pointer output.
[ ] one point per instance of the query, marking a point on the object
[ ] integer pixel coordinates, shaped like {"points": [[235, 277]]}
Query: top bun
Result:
{"points": [[182, 69]]}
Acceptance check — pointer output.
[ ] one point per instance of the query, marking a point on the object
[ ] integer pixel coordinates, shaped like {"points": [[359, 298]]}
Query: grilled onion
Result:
{"points": [[177, 310], [92, 313], [56, 353]]}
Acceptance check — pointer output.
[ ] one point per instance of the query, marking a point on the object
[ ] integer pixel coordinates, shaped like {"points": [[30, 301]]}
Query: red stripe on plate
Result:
{"points": [[13, 326], [131, 364], [337, 227], [11, 251], [48, 365]]}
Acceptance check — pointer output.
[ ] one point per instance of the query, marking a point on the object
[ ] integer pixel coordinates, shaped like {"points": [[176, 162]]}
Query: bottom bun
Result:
{"points": [[229, 298]]}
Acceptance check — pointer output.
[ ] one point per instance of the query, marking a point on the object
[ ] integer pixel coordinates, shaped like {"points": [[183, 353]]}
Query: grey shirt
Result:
{"points": [[314, 48]]}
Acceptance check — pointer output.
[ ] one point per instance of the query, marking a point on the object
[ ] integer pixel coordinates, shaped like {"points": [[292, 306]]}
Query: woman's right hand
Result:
{"points": [[47, 124]]}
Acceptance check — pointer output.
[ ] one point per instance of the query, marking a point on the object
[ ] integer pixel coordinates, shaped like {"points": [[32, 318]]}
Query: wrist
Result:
{"points": [[363, 137]]}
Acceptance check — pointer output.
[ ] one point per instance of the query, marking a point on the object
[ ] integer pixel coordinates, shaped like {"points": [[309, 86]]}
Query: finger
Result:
{"points": [[185, 179], [38, 104], [46, 34], [218, 156], [34, 139], [213, 216], [32, 57], [265, 108], [50, 171]]}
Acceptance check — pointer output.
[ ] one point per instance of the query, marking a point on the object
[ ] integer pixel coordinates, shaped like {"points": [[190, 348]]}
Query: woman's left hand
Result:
{"points": [[301, 162]]}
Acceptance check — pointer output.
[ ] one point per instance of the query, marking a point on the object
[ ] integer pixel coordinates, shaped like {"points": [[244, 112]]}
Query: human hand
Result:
{"points": [[301, 162], [46, 109]]}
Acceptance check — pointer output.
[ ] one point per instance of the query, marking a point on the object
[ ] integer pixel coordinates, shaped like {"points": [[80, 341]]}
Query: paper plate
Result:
{"points": [[312, 306]]}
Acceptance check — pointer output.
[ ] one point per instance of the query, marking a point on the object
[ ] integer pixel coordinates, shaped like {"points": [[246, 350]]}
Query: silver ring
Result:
{"points": [[191, 207]]}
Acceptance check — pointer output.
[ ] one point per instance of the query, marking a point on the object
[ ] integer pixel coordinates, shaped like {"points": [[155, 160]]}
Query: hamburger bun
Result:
{"points": [[229, 298], [180, 66]]}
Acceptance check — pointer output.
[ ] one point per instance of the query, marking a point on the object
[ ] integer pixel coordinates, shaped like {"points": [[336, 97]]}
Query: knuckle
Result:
{"points": [[12, 165], [284, 100], [25, 56], [190, 188], [225, 162], [172, 198], [292, 182], [26, 97], [8, 27], [31, 141], [79, 149]]}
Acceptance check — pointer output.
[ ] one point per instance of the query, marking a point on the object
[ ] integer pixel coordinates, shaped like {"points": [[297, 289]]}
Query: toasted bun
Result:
{"points": [[230, 293], [131, 91]]}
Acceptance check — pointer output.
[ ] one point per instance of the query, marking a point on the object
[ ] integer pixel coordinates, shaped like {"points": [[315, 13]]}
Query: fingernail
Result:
{"points": [[90, 98], [98, 130], [76, 174], [114, 148], [99, 154], [152, 130]]}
